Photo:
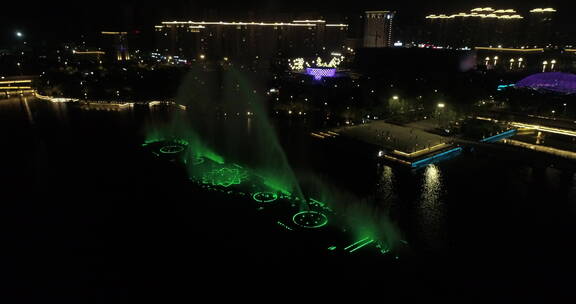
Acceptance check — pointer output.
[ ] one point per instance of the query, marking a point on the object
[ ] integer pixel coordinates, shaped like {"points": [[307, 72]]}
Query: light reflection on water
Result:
{"points": [[422, 193], [60, 110], [28, 112], [387, 180], [431, 208], [386, 193], [426, 192]]}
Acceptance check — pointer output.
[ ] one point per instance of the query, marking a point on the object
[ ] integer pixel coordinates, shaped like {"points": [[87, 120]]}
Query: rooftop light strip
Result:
{"points": [[549, 150], [535, 127], [309, 21], [236, 23], [416, 153], [485, 9], [14, 88], [475, 15], [544, 129], [397, 160], [89, 52], [505, 11], [15, 81], [543, 10], [509, 49]]}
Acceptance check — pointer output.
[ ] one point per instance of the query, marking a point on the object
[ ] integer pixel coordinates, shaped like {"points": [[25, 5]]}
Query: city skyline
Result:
{"points": [[48, 20], [430, 146]]}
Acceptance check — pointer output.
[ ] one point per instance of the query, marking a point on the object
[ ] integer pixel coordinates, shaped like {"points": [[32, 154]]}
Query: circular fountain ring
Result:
{"points": [[198, 160], [265, 197], [172, 149], [310, 219]]}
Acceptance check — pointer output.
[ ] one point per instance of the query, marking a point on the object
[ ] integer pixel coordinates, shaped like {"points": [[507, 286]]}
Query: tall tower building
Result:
{"points": [[378, 29], [117, 45]]}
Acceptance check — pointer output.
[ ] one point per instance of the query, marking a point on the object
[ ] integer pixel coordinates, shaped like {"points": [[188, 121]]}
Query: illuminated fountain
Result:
{"points": [[310, 219], [219, 105], [265, 197], [171, 149], [207, 137], [319, 73]]}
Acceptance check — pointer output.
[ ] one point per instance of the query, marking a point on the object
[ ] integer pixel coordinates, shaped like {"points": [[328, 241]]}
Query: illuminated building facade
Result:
{"points": [[378, 29], [118, 46], [541, 30], [479, 27], [16, 86], [535, 60], [247, 41], [493, 27]]}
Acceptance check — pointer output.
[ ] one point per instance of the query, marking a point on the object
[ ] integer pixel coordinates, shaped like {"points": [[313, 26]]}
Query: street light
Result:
{"points": [[440, 114], [511, 63], [19, 34], [553, 64], [544, 64], [395, 97], [520, 62]]}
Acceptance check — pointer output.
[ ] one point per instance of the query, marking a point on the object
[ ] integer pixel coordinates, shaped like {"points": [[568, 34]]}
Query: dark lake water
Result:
{"points": [[82, 203]]}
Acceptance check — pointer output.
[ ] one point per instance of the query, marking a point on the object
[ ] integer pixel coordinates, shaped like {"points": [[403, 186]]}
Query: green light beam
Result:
{"points": [[284, 225], [360, 241], [369, 242]]}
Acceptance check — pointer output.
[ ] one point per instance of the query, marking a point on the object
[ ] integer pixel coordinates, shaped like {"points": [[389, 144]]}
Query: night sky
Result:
{"points": [[66, 20]]}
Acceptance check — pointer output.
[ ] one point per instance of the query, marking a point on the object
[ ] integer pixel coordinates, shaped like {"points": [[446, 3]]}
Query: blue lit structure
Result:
{"points": [[438, 157], [503, 87], [500, 136]]}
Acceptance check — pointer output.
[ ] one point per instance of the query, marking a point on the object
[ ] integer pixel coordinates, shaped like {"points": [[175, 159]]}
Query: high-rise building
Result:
{"points": [[492, 27], [249, 40], [378, 29], [479, 27], [117, 45], [541, 27]]}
